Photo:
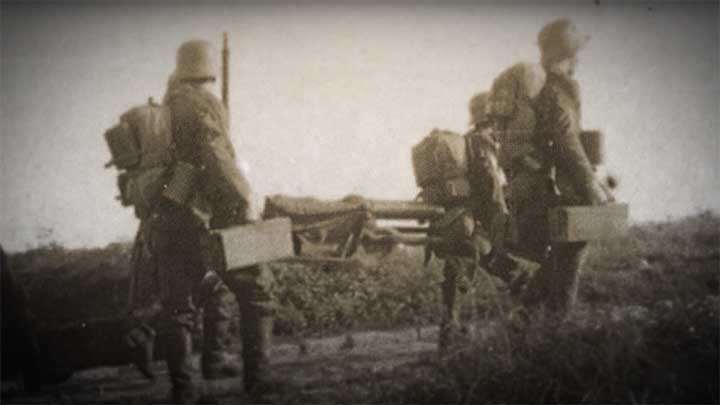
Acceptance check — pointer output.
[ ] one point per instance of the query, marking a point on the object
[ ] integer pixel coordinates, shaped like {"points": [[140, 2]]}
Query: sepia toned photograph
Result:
{"points": [[360, 202]]}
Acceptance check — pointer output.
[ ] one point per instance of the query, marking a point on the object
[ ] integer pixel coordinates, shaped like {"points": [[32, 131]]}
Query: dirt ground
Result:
{"points": [[317, 370]]}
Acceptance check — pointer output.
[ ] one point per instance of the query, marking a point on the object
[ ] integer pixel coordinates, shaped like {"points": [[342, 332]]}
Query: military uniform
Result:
{"points": [[511, 110], [565, 178], [549, 167], [149, 286], [214, 297], [219, 197], [483, 221]]}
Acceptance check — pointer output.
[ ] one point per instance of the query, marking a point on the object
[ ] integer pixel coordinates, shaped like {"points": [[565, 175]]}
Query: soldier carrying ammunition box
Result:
{"points": [[462, 174], [183, 185], [536, 115], [206, 190]]}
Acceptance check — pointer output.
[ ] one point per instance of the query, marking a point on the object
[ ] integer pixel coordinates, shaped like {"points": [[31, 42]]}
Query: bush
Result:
{"points": [[662, 355], [655, 262], [66, 285], [317, 300], [645, 330]]}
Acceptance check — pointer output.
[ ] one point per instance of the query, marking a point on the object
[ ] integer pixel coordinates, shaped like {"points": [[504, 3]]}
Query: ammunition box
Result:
{"points": [[586, 223], [246, 245]]}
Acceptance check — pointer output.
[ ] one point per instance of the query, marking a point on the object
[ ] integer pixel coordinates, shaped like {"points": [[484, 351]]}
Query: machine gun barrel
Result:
{"points": [[412, 229], [389, 209]]}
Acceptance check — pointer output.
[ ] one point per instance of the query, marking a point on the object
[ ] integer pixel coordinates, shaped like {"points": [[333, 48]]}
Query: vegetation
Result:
{"points": [[667, 354], [399, 291], [645, 330]]}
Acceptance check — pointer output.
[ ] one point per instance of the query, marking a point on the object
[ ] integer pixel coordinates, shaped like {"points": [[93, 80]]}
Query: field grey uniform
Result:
{"points": [[487, 210], [560, 174], [220, 198], [149, 283]]}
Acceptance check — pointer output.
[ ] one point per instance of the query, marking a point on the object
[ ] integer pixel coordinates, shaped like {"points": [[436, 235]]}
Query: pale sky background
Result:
{"points": [[328, 100]]}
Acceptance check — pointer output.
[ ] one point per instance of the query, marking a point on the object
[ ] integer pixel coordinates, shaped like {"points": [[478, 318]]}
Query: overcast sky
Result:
{"points": [[328, 100]]}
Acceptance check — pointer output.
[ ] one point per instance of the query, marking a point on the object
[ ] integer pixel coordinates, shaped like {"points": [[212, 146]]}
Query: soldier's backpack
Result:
{"points": [[140, 145], [511, 101], [440, 164]]}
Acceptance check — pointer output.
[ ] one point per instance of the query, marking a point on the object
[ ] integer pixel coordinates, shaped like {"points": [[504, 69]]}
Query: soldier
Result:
{"points": [[550, 167], [20, 350], [487, 178], [206, 190], [212, 296], [484, 226]]}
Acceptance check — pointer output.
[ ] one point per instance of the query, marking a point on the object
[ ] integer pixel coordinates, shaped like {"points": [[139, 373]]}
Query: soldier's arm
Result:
{"points": [[487, 178], [223, 183], [570, 157], [228, 187]]}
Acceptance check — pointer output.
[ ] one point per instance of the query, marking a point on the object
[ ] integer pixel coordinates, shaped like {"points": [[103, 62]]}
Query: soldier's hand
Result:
{"points": [[491, 137], [229, 216], [252, 214], [599, 195], [612, 181], [608, 191]]}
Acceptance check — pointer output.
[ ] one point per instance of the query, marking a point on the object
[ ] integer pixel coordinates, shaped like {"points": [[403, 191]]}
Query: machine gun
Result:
{"points": [[307, 229]]}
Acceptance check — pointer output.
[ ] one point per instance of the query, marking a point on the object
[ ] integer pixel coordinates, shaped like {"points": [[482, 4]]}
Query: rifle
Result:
{"points": [[226, 76]]}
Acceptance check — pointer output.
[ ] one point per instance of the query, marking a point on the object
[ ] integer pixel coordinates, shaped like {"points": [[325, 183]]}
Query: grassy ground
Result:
{"points": [[645, 330]]}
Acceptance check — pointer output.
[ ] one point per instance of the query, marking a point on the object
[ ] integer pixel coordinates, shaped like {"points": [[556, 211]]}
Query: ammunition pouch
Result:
{"points": [[147, 187], [144, 188], [182, 183], [455, 229], [141, 189]]}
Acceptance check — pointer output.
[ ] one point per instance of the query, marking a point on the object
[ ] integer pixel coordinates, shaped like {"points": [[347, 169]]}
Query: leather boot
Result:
{"points": [[257, 336], [178, 348], [515, 272], [564, 279], [216, 362], [450, 337], [141, 342], [451, 297]]}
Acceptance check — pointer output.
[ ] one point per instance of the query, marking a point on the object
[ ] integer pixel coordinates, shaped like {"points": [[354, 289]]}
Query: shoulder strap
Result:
{"points": [[469, 151]]}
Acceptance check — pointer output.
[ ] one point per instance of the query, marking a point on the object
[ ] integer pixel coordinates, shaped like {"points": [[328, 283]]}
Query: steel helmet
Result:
{"points": [[560, 39], [477, 107], [196, 59]]}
